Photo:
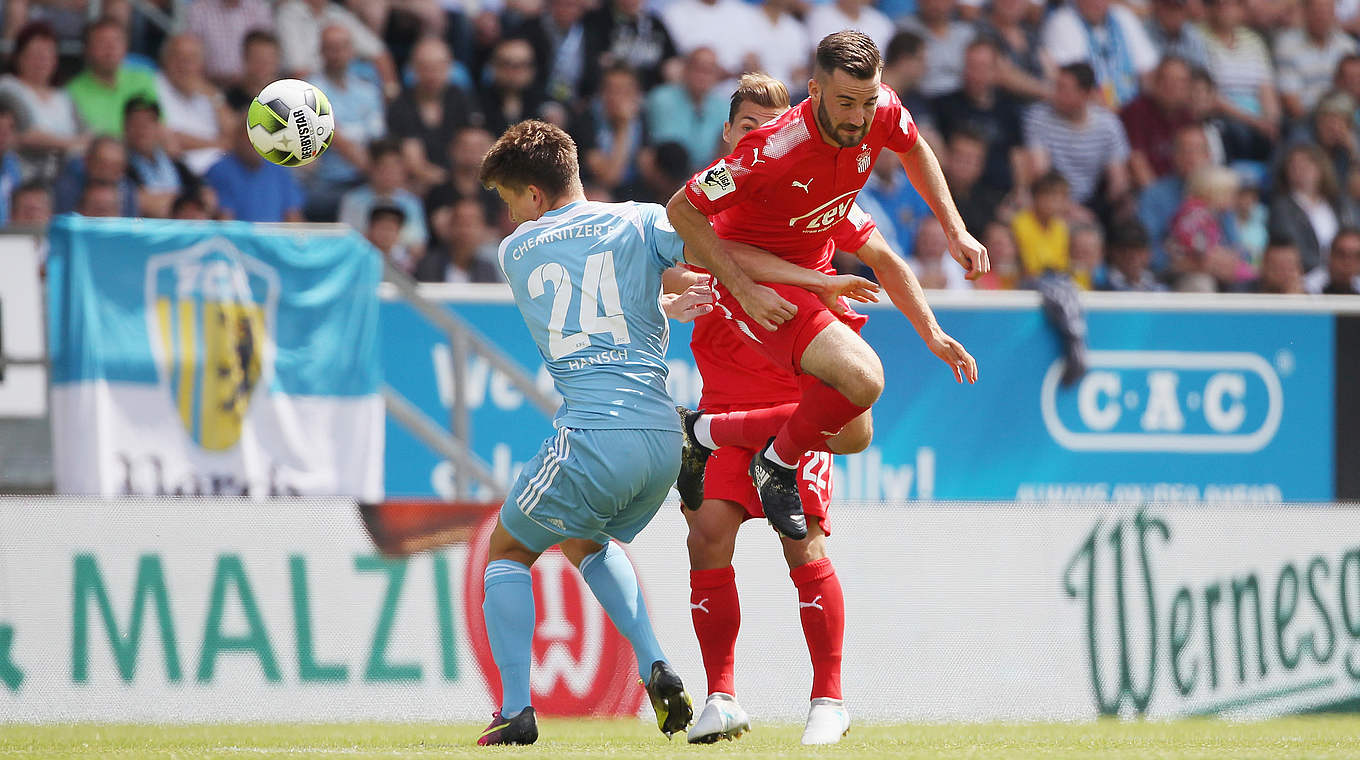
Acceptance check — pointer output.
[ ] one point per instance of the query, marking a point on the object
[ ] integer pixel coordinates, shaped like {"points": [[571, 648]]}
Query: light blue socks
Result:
{"points": [[509, 612], [611, 578]]}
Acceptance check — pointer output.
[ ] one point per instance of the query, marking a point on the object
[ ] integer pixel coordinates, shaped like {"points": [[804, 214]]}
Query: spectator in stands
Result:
{"points": [[1241, 68], [359, 120], [1027, 71], [904, 66], [192, 107], [387, 187], [859, 15], [222, 25], [1335, 130], [1281, 272], [692, 111], [889, 197], [610, 132], [158, 177], [1129, 256], [383, 230], [662, 167], [946, 39], [46, 116], [1041, 232], [1083, 142], [1197, 242], [104, 161], [559, 52], [467, 248], [511, 94], [31, 205], [426, 116], [466, 151], [625, 33], [262, 65], [1151, 120], [989, 113], [1347, 78], [191, 205], [1005, 259], [1306, 58], [783, 43], [11, 174], [301, 24], [1109, 38], [722, 26], [99, 198], [1250, 220], [1340, 275], [1205, 112], [107, 83], [1172, 34], [978, 199], [1158, 202], [248, 187], [1307, 207], [931, 262], [1086, 255]]}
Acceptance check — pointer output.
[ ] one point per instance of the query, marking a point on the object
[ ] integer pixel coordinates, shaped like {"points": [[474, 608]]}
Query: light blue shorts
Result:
{"points": [[592, 484]]}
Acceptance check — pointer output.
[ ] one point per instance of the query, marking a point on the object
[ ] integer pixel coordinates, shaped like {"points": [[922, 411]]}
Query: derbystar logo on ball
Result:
{"points": [[290, 123]]}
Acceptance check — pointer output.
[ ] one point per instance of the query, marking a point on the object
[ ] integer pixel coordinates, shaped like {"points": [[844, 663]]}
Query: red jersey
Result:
{"points": [[737, 376], [785, 189]]}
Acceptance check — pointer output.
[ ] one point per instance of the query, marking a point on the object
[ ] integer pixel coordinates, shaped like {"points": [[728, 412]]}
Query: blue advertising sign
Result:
{"points": [[1175, 406]]}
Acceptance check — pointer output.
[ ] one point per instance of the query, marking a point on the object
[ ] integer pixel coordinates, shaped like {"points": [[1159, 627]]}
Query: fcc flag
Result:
{"points": [[214, 358]]}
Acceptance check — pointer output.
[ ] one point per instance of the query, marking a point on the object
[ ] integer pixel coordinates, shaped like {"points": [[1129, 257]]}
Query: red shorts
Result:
{"points": [[784, 346], [728, 477]]}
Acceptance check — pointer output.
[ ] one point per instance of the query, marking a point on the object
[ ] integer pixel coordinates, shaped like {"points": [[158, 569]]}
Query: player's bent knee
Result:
{"points": [[854, 438], [713, 534]]}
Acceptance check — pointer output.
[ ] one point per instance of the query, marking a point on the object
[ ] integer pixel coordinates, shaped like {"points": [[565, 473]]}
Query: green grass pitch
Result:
{"points": [[1300, 738]]}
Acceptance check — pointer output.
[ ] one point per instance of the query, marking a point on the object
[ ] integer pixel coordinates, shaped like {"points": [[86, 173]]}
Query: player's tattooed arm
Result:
{"points": [[907, 295], [703, 247], [923, 169]]}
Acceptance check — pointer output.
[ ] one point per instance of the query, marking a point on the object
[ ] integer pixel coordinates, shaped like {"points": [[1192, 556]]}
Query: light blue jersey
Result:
{"points": [[586, 278]]}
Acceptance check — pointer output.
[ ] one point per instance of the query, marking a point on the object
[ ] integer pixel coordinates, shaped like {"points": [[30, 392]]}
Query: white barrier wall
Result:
{"points": [[231, 610]]}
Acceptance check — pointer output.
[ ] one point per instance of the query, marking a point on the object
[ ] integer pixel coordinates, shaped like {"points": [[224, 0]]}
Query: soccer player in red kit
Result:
{"points": [[786, 188], [737, 378]]}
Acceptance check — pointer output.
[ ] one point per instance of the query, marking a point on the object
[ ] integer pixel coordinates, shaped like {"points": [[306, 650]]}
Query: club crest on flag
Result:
{"points": [[211, 317]]}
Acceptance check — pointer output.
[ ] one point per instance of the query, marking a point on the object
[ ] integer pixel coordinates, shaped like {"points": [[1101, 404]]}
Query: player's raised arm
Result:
{"points": [[923, 169], [702, 247], [907, 295]]}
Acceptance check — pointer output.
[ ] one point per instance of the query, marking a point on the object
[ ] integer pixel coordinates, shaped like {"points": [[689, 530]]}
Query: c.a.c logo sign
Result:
{"points": [[1166, 401], [211, 311]]}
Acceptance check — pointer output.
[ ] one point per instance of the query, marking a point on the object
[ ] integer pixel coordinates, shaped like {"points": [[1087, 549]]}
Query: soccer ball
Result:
{"points": [[290, 123]]}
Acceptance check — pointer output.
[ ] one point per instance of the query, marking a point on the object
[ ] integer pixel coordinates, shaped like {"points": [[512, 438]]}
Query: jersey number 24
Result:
{"points": [[599, 288]]}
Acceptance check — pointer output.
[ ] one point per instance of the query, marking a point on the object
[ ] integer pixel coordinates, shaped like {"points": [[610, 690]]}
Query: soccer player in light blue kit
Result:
{"points": [[586, 277]]}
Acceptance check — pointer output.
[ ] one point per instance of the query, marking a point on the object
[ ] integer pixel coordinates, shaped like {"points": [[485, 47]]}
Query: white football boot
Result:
{"points": [[722, 718], [827, 722]]}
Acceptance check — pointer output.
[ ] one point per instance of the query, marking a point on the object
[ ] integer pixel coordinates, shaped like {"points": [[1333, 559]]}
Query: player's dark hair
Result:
{"points": [[1083, 73], [533, 153], [904, 44], [1051, 181], [384, 147], [33, 30], [255, 36], [103, 22], [759, 88], [852, 52]]}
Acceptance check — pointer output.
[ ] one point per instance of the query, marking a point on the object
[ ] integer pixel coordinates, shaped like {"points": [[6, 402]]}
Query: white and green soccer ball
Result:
{"points": [[290, 123]]}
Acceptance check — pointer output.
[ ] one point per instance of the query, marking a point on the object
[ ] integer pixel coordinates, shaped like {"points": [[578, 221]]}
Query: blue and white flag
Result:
{"points": [[214, 358]]}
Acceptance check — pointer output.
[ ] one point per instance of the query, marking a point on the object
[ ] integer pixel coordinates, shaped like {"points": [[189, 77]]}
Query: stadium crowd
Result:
{"points": [[1196, 145]]}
